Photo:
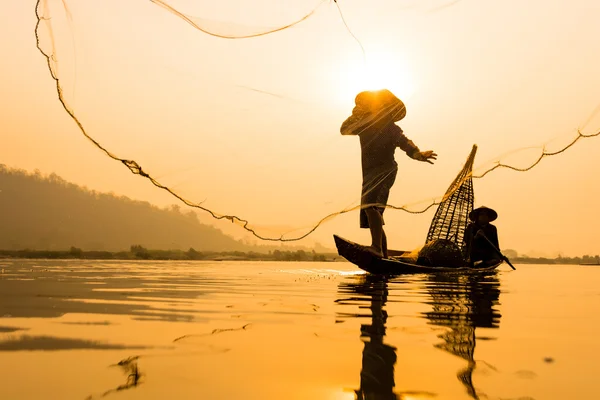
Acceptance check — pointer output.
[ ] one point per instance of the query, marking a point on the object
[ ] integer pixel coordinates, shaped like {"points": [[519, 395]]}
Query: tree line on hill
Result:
{"points": [[524, 259], [137, 252], [47, 213]]}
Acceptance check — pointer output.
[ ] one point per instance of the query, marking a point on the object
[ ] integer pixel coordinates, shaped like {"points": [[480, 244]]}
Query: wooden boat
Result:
{"points": [[367, 261]]}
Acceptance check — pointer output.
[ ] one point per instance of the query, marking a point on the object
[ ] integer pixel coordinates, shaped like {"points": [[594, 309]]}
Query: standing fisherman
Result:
{"points": [[373, 120]]}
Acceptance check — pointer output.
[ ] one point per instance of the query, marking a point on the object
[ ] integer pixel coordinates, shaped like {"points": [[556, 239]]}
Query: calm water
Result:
{"points": [[195, 330]]}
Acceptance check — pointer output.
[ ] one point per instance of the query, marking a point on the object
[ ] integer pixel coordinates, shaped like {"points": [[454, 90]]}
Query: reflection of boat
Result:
{"points": [[357, 254], [459, 303], [463, 303]]}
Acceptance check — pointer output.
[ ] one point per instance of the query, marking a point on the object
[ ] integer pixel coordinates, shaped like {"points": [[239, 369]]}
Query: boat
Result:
{"points": [[394, 265], [447, 230]]}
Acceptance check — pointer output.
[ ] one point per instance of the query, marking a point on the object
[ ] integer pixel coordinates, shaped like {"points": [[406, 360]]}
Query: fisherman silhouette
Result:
{"points": [[460, 303]]}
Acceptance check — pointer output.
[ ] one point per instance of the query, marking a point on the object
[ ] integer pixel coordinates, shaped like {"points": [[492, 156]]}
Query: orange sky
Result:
{"points": [[503, 75]]}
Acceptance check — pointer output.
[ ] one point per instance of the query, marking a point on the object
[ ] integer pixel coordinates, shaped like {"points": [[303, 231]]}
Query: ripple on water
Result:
{"points": [[294, 331]]}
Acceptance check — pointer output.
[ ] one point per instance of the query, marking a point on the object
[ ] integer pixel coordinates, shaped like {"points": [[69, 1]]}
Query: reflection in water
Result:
{"points": [[461, 303], [214, 332], [51, 343], [8, 329], [130, 368], [146, 291], [377, 374]]}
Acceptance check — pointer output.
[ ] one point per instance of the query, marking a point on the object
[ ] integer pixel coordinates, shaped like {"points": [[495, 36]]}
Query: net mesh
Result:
{"points": [[444, 244], [283, 100], [229, 30], [452, 215]]}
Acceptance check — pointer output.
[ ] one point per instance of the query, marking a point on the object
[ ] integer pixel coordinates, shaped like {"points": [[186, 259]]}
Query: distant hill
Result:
{"points": [[48, 213]]}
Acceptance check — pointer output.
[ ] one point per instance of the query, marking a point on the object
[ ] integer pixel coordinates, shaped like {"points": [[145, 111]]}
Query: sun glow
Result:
{"points": [[382, 70]]}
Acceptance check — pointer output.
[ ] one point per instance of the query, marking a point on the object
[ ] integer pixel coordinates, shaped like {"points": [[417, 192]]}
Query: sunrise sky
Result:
{"points": [[251, 126]]}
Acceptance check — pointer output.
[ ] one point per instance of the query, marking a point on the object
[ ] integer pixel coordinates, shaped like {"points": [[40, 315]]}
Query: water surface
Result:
{"points": [[255, 330]]}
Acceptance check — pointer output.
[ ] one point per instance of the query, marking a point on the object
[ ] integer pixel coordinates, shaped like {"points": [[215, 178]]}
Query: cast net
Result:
{"points": [[234, 108], [452, 215], [444, 243]]}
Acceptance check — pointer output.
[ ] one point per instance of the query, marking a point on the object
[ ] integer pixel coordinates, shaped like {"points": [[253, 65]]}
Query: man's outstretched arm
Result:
{"points": [[413, 151]]}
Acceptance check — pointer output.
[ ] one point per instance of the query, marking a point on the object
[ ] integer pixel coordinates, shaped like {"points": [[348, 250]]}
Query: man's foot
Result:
{"points": [[375, 251]]}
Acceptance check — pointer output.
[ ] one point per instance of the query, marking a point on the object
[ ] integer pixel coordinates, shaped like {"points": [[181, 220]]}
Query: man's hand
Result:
{"points": [[426, 156]]}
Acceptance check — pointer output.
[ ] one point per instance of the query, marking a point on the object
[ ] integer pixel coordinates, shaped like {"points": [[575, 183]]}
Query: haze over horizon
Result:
{"points": [[502, 75], [43, 212]]}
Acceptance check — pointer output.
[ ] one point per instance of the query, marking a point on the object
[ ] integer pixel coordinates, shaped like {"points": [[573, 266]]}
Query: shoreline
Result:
{"points": [[140, 253]]}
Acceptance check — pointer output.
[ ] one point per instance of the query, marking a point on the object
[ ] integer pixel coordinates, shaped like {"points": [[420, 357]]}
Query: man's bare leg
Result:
{"points": [[376, 227]]}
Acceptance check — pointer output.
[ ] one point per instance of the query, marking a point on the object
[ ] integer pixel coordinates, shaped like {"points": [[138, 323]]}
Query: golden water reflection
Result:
{"points": [[267, 331], [460, 304]]}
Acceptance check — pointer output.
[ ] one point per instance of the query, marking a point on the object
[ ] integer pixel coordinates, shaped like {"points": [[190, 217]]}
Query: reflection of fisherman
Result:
{"points": [[377, 374], [378, 359], [460, 303], [478, 236]]}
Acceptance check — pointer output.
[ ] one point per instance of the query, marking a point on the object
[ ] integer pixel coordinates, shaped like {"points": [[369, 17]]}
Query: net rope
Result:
{"points": [[197, 22], [41, 11]]}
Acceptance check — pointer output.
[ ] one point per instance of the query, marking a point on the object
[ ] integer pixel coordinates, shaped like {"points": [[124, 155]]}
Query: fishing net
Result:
{"points": [[452, 215], [444, 243], [441, 253], [228, 30], [234, 108]]}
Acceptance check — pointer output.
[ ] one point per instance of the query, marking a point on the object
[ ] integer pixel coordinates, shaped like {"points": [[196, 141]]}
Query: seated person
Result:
{"points": [[478, 251]]}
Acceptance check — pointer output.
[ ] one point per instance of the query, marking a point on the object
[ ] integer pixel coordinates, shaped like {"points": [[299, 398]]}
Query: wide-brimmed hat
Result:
{"points": [[483, 209], [380, 101]]}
